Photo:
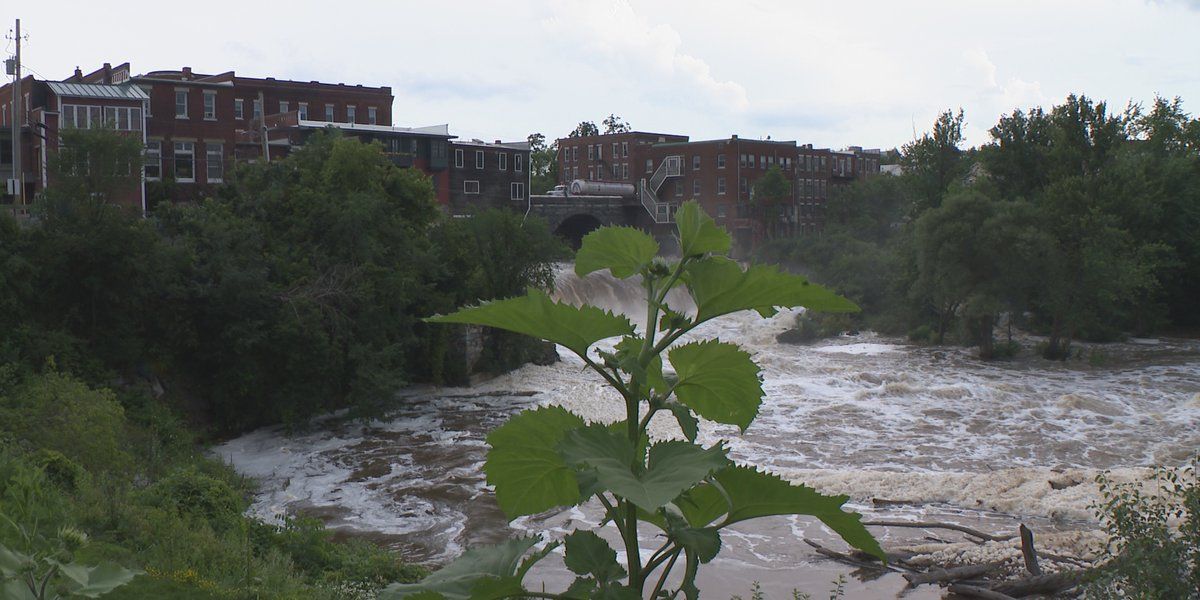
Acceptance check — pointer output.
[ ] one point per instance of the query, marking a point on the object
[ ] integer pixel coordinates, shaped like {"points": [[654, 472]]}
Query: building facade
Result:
{"points": [[488, 175]]}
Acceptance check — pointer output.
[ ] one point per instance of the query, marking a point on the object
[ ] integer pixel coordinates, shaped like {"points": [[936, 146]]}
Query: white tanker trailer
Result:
{"points": [[582, 187]]}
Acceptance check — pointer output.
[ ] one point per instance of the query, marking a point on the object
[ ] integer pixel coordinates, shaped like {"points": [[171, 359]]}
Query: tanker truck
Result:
{"points": [[582, 187]]}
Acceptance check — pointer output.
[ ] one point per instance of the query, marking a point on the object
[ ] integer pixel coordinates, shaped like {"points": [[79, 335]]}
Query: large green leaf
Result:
{"points": [[672, 467], [457, 580], [588, 554], [12, 562], [698, 234], [622, 250], [93, 582], [757, 494], [703, 542], [720, 286], [719, 381], [537, 315], [524, 464]]}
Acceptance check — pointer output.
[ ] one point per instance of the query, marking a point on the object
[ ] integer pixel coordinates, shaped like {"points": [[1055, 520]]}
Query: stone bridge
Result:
{"points": [[573, 217]]}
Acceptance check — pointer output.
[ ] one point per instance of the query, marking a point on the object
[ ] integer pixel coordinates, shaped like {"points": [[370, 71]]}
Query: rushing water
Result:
{"points": [[835, 409]]}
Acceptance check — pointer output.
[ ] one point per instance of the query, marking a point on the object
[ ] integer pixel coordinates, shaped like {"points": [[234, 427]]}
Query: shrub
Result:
{"points": [[192, 494]]}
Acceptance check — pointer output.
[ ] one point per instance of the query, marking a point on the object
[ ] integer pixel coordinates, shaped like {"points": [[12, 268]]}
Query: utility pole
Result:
{"points": [[17, 120]]}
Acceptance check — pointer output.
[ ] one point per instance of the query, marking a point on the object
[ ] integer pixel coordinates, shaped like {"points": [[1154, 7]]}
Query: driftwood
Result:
{"points": [[846, 558], [972, 591], [1040, 584], [1028, 551], [938, 525], [954, 574]]}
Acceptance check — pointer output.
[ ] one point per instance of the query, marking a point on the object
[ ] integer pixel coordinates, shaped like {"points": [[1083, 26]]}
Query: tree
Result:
{"points": [[614, 124], [934, 161], [543, 164], [93, 167], [584, 129], [772, 196]]}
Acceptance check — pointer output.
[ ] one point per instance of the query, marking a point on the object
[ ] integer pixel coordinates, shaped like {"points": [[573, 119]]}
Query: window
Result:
{"points": [[121, 118], [615, 148], [575, 154], [303, 111], [471, 187], [257, 109], [744, 186], [649, 165], [624, 149], [517, 166], [437, 149], [750, 161], [153, 160], [214, 163], [185, 164], [239, 109], [502, 161], [458, 158], [720, 186], [695, 162], [516, 191], [181, 104], [599, 151], [591, 174], [351, 114], [284, 106], [678, 188], [616, 171], [574, 172], [762, 162], [695, 186], [722, 211], [720, 161], [210, 106], [372, 115], [591, 152], [329, 113], [625, 171], [479, 159]]}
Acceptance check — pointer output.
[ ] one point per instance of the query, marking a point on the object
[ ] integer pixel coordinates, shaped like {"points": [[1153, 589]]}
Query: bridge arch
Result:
{"points": [[573, 228]]}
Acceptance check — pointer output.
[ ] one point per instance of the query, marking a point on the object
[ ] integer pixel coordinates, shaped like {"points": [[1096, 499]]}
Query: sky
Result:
{"points": [[832, 74]]}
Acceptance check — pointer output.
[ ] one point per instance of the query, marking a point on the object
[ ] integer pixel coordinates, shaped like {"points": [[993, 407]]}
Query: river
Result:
{"points": [[945, 435]]}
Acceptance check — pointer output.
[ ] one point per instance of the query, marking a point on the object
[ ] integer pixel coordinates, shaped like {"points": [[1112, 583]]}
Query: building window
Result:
{"points": [[479, 159], [471, 187], [695, 186], [458, 158], [575, 154], [720, 186], [649, 165], [351, 114], [591, 152], [720, 161], [591, 174], [616, 171], [575, 173], [616, 147], [257, 109], [744, 186], [239, 109], [678, 188], [624, 149], [210, 106], [516, 191], [722, 211], [185, 162], [625, 171], [372, 115], [181, 104], [303, 111], [329, 113], [599, 151], [502, 161], [517, 166], [153, 160], [214, 163], [284, 106]]}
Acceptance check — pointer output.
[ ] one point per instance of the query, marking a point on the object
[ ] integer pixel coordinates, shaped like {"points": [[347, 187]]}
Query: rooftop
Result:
{"points": [[442, 131], [97, 90]]}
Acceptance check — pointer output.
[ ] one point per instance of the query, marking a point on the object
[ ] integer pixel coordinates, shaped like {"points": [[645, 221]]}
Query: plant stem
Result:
{"points": [[662, 579], [633, 553]]}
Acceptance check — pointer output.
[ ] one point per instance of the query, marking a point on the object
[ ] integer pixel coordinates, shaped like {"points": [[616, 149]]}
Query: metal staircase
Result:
{"points": [[671, 166]]}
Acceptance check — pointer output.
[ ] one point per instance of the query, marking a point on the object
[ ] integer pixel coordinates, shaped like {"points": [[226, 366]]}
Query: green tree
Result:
{"points": [[614, 124], [935, 161], [773, 200], [93, 167], [543, 164], [584, 129]]}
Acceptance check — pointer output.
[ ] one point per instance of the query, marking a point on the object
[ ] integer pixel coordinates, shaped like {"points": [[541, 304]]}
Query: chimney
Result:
{"points": [[78, 75], [497, 142], [187, 73], [108, 73], [733, 137]]}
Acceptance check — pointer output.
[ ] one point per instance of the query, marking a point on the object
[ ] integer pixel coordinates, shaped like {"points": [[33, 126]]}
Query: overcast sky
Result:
{"points": [[829, 73]]}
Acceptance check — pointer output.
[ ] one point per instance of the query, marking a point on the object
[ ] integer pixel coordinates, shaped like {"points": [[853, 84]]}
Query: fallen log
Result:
{"points": [[938, 525], [1028, 551], [846, 558], [972, 591], [1050, 583], [953, 574]]}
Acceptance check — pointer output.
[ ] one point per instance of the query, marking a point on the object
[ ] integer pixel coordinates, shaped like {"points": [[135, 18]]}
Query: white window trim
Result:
{"points": [[157, 156], [516, 191], [467, 187], [517, 163], [208, 150], [302, 110], [458, 158], [207, 95], [186, 103], [502, 161], [329, 113], [372, 115], [174, 158], [239, 108], [284, 106], [351, 114], [479, 160]]}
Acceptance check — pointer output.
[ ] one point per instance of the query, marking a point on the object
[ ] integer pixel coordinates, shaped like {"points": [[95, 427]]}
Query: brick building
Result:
{"points": [[668, 169], [488, 175]]}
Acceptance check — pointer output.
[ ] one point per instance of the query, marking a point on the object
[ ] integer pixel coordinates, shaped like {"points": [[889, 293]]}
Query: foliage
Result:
{"points": [[614, 124], [935, 161], [1153, 527], [543, 164], [52, 575], [548, 457], [93, 168], [772, 196], [584, 129]]}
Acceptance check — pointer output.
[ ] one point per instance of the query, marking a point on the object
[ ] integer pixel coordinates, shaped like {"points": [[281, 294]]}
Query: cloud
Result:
{"points": [[440, 87], [614, 39]]}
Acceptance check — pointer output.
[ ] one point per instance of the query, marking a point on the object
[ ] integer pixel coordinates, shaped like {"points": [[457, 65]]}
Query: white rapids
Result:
{"points": [[948, 436]]}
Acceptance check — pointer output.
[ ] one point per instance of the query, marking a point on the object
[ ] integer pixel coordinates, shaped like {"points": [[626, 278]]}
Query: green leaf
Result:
{"points": [[622, 250], [12, 562], [93, 582], [627, 354], [719, 381], [496, 588], [617, 592], [457, 580], [15, 589], [719, 287], [698, 234], [757, 494], [535, 314], [672, 468], [703, 542], [582, 587], [524, 464], [588, 554], [688, 423]]}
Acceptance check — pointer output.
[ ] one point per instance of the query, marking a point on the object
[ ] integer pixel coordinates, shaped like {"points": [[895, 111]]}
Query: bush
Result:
{"points": [[1153, 527], [194, 495]]}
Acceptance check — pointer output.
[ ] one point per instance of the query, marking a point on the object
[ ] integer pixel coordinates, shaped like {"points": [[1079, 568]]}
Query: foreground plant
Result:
{"points": [[550, 458], [53, 574]]}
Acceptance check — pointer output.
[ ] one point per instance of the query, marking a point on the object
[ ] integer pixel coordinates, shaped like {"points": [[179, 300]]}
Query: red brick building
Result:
{"points": [[668, 169]]}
